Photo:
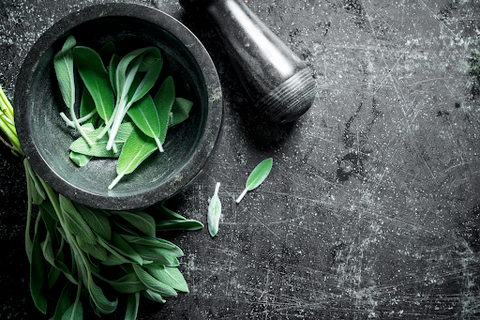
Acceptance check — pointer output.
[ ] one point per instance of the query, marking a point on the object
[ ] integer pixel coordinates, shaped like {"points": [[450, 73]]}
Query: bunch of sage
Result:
{"points": [[82, 256], [119, 115]]}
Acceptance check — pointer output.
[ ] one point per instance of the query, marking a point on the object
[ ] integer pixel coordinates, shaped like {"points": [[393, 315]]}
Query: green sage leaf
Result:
{"points": [[153, 284], [98, 149], [214, 211], [145, 116], [125, 249], [140, 220], [63, 65], [63, 302], [97, 220], [172, 225], [149, 294], [180, 111], [94, 250], [74, 221], [129, 283], [171, 276], [136, 149], [133, 302], [164, 101], [99, 299], [258, 175], [74, 312], [37, 277], [96, 79]]}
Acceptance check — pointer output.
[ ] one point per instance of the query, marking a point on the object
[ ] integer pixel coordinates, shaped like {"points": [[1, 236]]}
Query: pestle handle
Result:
{"points": [[277, 80]]}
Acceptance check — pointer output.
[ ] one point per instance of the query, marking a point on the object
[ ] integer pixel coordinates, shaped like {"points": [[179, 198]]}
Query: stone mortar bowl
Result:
{"points": [[45, 138]]}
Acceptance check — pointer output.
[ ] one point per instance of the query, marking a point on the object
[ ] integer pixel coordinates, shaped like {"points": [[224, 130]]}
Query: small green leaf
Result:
{"points": [[97, 220], [133, 302], [129, 283], [88, 111], [258, 175], [171, 276], [136, 149], [63, 302], [153, 284], [125, 249], [96, 79], [99, 299], [140, 220], [180, 111], [79, 159], [63, 65], [214, 211], [149, 294], [98, 149], [156, 255], [164, 101], [172, 225], [74, 221], [94, 250], [37, 277], [74, 312], [145, 116]]}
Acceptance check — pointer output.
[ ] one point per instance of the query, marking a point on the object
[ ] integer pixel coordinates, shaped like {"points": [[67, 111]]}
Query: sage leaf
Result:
{"points": [[136, 149], [145, 116], [112, 67], [99, 299], [258, 175], [63, 302], [98, 149], [125, 249], [107, 51], [97, 220], [149, 294], [74, 312], [129, 283], [153, 242], [156, 255], [214, 211], [180, 111], [63, 65], [37, 277], [142, 221], [96, 79], [133, 302], [74, 221], [153, 284], [165, 213], [164, 101], [171, 276], [79, 159], [172, 225], [94, 250], [88, 111]]}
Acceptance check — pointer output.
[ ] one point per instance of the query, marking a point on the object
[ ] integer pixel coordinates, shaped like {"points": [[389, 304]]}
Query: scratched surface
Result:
{"points": [[372, 208]]}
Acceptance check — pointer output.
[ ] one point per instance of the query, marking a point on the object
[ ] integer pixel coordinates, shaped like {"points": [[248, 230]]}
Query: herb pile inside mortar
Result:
{"points": [[119, 117]]}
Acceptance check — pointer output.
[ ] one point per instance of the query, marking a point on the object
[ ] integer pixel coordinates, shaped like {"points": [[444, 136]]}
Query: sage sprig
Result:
{"points": [[258, 175], [77, 253]]}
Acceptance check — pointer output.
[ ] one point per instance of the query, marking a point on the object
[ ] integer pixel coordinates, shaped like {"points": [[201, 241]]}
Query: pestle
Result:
{"points": [[276, 79]]}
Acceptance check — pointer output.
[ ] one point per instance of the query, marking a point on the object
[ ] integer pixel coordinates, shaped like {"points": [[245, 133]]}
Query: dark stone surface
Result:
{"points": [[371, 210]]}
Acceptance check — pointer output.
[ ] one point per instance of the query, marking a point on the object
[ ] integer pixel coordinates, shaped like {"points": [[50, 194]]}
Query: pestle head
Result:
{"points": [[278, 82], [289, 100]]}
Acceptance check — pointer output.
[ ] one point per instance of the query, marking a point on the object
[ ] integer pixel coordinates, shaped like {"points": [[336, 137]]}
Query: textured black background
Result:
{"points": [[371, 210]]}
